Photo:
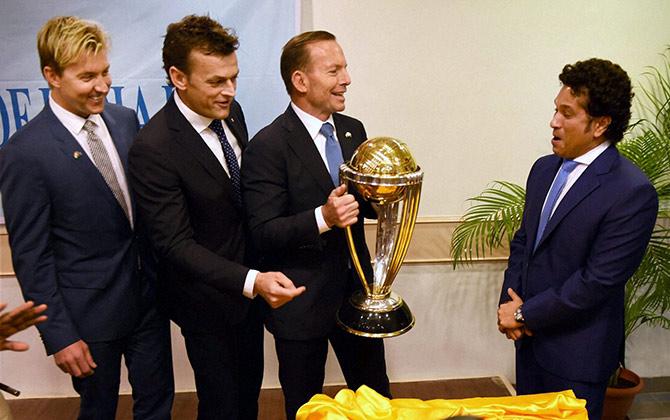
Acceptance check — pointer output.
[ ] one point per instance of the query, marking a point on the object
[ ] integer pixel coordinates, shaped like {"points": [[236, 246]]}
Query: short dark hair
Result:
{"points": [[193, 32], [607, 91], [295, 55]]}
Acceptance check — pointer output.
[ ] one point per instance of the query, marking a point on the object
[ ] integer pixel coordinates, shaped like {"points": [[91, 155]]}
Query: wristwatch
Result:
{"points": [[518, 315]]}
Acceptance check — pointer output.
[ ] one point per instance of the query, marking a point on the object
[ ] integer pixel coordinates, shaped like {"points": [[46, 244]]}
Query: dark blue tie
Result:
{"points": [[333, 153], [231, 160], [555, 191]]}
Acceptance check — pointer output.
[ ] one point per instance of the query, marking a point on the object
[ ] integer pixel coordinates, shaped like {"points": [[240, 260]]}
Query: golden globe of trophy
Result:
{"points": [[384, 173]]}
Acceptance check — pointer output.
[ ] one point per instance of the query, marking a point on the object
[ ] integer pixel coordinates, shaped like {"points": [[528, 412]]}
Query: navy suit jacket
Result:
{"points": [[72, 246], [573, 284], [185, 196], [284, 179]]}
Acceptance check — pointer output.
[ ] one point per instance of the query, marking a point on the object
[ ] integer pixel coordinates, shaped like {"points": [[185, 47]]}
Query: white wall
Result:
{"points": [[470, 84]]}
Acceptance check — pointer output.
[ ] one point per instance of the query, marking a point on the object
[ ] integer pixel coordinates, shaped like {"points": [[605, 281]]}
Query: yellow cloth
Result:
{"points": [[366, 404]]}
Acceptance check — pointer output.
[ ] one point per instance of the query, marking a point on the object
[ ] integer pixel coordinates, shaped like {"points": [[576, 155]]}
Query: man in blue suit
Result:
{"points": [[75, 237], [588, 217]]}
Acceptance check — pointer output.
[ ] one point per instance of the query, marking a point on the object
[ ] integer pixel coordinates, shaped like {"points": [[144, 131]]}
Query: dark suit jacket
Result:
{"points": [[184, 194], [72, 245], [284, 179], [573, 284]]}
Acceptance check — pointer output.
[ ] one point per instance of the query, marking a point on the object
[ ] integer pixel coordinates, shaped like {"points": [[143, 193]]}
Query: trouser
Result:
{"points": [[148, 357], [531, 378], [302, 366]]}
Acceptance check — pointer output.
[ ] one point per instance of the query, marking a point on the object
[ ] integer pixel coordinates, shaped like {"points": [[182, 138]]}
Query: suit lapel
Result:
{"points": [[115, 132], [587, 183], [303, 146], [80, 160], [538, 194], [194, 145], [235, 122], [344, 136]]}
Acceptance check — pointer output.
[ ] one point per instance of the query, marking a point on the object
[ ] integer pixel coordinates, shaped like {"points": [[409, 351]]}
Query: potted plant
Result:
{"points": [[495, 215]]}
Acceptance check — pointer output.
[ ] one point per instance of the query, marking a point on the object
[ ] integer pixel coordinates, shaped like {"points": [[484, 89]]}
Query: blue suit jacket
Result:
{"points": [[573, 284], [72, 245]]}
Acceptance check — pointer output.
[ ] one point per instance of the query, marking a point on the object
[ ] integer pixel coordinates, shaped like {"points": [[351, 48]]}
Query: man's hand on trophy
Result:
{"points": [[276, 288], [341, 209]]}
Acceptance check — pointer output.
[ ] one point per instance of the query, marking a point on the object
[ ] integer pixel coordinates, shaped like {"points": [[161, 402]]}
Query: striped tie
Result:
{"points": [[104, 165]]}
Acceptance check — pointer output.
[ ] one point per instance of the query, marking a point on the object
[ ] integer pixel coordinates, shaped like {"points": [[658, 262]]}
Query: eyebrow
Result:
{"points": [[219, 77]]}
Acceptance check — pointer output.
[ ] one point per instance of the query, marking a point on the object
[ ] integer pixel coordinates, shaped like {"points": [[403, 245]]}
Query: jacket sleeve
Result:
{"points": [[27, 210], [517, 255]]}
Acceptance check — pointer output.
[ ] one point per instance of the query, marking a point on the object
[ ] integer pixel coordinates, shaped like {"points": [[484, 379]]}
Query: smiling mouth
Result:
{"points": [[97, 99]]}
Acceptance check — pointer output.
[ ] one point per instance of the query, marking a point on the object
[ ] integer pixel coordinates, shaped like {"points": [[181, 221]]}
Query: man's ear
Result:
{"points": [[178, 78], [51, 76], [299, 81], [601, 124]]}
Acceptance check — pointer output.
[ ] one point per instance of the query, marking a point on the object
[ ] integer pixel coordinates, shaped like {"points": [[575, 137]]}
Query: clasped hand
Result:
{"points": [[507, 325]]}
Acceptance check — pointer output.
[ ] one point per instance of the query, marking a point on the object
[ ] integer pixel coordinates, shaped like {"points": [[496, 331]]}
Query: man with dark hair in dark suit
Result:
{"points": [[76, 239], [297, 212], [185, 171], [588, 217]]}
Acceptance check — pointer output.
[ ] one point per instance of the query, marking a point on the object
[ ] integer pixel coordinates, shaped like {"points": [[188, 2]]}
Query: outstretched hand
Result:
{"points": [[18, 319], [276, 288]]}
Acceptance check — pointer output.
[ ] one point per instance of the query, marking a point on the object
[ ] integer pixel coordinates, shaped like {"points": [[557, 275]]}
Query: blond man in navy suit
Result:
{"points": [[76, 239]]}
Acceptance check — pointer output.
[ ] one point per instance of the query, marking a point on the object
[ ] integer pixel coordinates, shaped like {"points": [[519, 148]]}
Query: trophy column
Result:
{"points": [[383, 171]]}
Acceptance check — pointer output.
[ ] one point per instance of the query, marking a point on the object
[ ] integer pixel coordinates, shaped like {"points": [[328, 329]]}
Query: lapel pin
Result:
{"points": [[76, 154], [347, 135], [232, 120]]}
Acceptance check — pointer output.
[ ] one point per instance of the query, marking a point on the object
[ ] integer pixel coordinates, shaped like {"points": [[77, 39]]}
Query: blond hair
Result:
{"points": [[62, 40]]}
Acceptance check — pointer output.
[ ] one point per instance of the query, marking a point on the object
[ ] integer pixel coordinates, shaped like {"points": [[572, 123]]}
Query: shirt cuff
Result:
{"points": [[320, 221], [249, 283]]}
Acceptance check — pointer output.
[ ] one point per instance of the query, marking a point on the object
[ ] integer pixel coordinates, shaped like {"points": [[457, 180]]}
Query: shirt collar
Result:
{"points": [[198, 121], [588, 157], [73, 122], [311, 123]]}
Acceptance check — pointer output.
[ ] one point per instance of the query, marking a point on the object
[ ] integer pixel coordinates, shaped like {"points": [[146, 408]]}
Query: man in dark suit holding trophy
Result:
{"points": [[297, 212]]}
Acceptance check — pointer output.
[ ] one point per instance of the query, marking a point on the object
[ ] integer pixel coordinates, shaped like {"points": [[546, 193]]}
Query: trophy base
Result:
{"points": [[376, 318]]}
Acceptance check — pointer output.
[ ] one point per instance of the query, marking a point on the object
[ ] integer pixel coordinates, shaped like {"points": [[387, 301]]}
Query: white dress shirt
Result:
{"points": [[75, 125], [201, 125]]}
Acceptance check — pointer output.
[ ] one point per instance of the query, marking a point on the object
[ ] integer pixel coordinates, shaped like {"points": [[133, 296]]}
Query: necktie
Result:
{"points": [[555, 191], [104, 164], [333, 153], [231, 161]]}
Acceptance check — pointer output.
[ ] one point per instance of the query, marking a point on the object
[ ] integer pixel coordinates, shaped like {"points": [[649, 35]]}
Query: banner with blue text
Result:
{"points": [[136, 30]]}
